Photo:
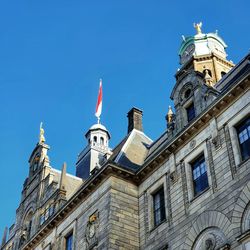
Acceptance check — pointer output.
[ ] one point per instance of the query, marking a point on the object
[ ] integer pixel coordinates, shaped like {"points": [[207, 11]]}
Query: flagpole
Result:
{"points": [[99, 103]]}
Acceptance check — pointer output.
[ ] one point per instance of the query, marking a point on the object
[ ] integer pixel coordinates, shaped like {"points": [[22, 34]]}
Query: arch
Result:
{"points": [[208, 71], [240, 208], [101, 140], [30, 208], [183, 96], [208, 219], [222, 73], [95, 138]]}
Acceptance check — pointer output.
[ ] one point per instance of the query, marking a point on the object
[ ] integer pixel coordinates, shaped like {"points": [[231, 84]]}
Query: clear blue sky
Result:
{"points": [[52, 54]]}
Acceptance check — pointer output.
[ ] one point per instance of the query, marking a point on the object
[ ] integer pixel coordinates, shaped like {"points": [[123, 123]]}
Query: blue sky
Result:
{"points": [[52, 54]]}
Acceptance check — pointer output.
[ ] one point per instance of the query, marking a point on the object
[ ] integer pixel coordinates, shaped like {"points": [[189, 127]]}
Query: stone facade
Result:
{"points": [[143, 195]]}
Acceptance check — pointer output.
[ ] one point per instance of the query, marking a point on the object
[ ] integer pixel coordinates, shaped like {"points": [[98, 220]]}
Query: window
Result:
{"points": [[190, 112], [243, 131], [223, 73], [102, 140], [159, 207], [187, 93], [95, 139], [49, 211], [69, 242], [199, 170]]}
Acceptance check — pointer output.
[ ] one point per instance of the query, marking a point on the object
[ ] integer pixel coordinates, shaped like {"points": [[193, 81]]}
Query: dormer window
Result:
{"points": [[190, 112], [187, 93]]}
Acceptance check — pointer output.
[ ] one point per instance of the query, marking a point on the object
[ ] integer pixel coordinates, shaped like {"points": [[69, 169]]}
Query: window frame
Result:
{"points": [[162, 206], [198, 163], [69, 235], [240, 127], [187, 108]]}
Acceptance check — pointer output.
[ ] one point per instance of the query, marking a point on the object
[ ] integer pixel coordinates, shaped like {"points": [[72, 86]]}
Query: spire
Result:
{"points": [[41, 135], [63, 177], [170, 114], [4, 239], [208, 79], [98, 110], [198, 26]]}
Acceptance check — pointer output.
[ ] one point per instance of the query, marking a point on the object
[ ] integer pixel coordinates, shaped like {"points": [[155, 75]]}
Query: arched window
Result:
{"points": [[222, 73], [95, 138], [207, 71], [187, 93], [102, 140]]}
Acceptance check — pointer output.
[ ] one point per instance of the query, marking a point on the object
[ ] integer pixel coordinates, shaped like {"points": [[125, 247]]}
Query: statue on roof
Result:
{"points": [[198, 26]]}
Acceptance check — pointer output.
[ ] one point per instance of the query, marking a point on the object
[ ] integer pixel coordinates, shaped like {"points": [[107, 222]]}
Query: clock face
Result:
{"points": [[187, 54], [91, 231]]}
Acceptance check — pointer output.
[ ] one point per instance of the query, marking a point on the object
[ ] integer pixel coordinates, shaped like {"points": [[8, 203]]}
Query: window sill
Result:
{"points": [[155, 227], [243, 162], [199, 194]]}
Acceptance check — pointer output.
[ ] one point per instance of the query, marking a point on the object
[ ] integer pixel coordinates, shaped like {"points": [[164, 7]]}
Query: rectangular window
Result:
{"points": [[69, 242], [199, 171], [243, 131], [159, 207], [190, 112]]}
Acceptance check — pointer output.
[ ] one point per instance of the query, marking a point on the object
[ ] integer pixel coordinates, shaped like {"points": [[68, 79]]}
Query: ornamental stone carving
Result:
{"points": [[210, 239]]}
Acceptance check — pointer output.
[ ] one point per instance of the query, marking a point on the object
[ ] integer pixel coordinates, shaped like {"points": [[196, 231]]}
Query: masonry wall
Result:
{"points": [[115, 202], [220, 209]]}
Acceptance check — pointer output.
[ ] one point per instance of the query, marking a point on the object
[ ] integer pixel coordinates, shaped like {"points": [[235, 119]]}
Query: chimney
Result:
{"points": [[134, 119]]}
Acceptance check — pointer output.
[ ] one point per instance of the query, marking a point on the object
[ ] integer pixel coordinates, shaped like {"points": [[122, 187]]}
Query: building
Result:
{"points": [[189, 189]]}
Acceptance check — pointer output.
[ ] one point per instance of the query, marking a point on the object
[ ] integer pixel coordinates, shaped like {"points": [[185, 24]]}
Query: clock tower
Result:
{"points": [[206, 54], [203, 61]]}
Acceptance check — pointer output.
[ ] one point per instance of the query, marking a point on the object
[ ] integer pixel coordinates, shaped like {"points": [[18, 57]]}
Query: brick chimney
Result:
{"points": [[134, 119]]}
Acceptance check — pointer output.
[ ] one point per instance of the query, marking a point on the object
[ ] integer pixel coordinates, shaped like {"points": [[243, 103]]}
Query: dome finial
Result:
{"points": [[198, 26]]}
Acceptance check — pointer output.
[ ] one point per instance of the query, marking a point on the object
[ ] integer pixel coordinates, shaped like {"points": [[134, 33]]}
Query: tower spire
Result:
{"points": [[41, 134], [98, 110]]}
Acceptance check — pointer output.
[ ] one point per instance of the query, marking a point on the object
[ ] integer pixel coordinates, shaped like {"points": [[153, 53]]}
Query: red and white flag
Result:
{"points": [[98, 110]]}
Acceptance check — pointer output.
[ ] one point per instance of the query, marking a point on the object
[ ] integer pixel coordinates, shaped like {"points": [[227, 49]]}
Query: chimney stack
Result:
{"points": [[134, 119]]}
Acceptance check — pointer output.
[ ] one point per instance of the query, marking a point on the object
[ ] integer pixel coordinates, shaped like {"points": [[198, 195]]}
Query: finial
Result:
{"points": [[208, 79], [170, 114], [198, 26], [41, 135]]}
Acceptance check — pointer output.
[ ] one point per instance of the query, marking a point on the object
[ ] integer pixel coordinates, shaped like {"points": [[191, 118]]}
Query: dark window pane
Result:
{"points": [[190, 112], [244, 138], [200, 179], [69, 242], [159, 207]]}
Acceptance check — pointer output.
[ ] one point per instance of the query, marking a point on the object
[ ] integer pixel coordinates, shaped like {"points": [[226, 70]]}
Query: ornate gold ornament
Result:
{"points": [[198, 26]]}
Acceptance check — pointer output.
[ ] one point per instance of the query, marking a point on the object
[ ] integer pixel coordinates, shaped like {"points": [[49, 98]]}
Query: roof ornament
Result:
{"points": [[170, 117], [198, 26], [41, 135]]}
